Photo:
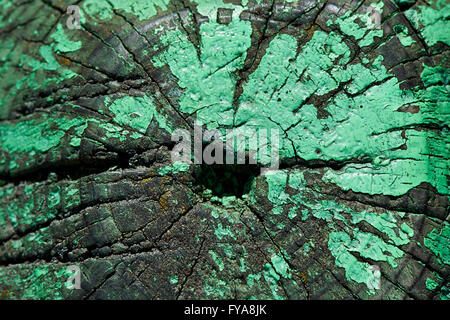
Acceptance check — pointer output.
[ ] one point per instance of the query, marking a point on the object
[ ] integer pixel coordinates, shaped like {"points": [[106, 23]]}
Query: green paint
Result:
{"points": [[402, 35], [280, 265], [272, 273], [143, 9], [306, 249], [424, 159], [208, 81], [305, 214], [209, 8], [445, 293], [431, 284], [292, 213], [214, 214], [136, 112], [341, 244], [407, 229], [112, 131], [33, 136], [432, 21], [252, 278], [220, 208], [387, 224], [62, 43], [360, 126], [216, 287], [242, 266], [365, 35], [17, 244], [222, 232], [45, 70], [41, 204], [217, 260], [271, 277], [36, 282], [173, 280], [50, 62], [277, 184], [361, 122], [439, 243]]}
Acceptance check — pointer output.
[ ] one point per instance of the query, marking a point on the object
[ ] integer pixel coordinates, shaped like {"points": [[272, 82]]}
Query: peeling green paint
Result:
{"points": [[365, 35], [143, 9], [431, 284], [35, 136], [402, 35], [361, 126], [341, 244], [433, 20], [222, 232], [173, 279], [439, 243], [37, 283], [62, 43], [208, 81], [136, 112], [217, 260]]}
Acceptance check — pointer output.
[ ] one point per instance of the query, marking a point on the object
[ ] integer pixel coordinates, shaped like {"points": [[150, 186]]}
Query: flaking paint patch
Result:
{"points": [[432, 21], [62, 43], [37, 283], [175, 168], [431, 284], [364, 35], [402, 34], [341, 246], [359, 126], [208, 83], [33, 136], [136, 112], [142, 9], [439, 243]]}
